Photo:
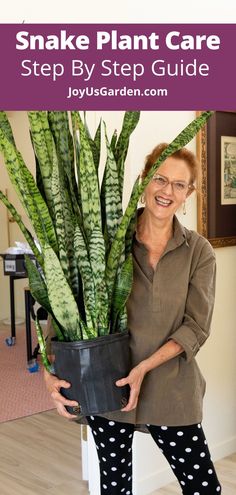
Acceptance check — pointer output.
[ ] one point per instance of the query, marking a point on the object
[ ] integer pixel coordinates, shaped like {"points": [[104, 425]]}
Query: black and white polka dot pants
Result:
{"points": [[184, 447]]}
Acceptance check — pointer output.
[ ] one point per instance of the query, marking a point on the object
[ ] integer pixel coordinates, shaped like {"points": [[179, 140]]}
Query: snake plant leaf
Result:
{"points": [[57, 329], [37, 209], [43, 348], [85, 270], [129, 124], [60, 210], [114, 141], [77, 157], [98, 265], [122, 321], [24, 230], [6, 127], [39, 181], [89, 185], [42, 137], [95, 144], [28, 193], [63, 214], [122, 290], [43, 147], [86, 126], [111, 202], [38, 289], [179, 142], [76, 146], [132, 223], [59, 125], [65, 222], [60, 296]]}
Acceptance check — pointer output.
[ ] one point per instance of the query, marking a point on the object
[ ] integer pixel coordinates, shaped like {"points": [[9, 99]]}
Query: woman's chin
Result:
{"points": [[162, 212]]}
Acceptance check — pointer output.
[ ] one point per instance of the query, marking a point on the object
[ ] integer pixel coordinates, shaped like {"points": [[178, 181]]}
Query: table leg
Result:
{"points": [[28, 325], [12, 308]]}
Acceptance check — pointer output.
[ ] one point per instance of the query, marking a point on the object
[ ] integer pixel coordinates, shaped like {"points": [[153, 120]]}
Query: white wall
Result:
{"points": [[217, 357], [127, 11]]}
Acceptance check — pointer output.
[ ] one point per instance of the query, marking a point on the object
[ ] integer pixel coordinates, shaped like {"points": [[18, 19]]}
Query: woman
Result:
{"points": [[169, 315]]}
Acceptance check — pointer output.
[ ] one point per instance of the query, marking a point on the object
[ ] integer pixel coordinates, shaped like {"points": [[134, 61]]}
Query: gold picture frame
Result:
{"points": [[215, 220]]}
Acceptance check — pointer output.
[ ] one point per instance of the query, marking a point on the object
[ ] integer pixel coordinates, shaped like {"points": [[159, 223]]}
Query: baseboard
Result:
{"points": [[165, 476], [153, 482], [223, 449]]}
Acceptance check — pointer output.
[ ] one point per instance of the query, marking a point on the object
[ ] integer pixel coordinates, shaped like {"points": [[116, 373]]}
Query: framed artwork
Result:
{"points": [[216, 189]]}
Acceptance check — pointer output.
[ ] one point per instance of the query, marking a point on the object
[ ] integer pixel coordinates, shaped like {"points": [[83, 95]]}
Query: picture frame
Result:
{"points": [[216, 188]]}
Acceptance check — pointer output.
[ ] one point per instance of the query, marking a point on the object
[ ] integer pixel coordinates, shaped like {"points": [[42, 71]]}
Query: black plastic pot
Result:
{"points": [[92, 367]]}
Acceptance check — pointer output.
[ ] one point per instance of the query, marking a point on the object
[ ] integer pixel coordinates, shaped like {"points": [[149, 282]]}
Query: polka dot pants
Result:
{"points": [[185, 449]]}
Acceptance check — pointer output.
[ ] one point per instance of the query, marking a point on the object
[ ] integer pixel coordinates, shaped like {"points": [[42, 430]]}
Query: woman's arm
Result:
{"points": [[196, 324], [135, 378]]}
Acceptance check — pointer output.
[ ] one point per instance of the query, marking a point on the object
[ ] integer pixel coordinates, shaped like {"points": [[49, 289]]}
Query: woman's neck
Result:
{"points": [[153, 229]]}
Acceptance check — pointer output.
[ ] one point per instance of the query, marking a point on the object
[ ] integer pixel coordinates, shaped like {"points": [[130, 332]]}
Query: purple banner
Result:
{"points": [[117, 66]]}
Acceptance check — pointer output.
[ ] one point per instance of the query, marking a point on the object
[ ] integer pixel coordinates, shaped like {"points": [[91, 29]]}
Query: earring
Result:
{"points": [[184, 208], [142, 199]]}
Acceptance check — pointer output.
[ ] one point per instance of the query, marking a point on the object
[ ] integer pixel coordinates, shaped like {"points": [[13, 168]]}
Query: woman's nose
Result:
{"points": [[168, 188]]}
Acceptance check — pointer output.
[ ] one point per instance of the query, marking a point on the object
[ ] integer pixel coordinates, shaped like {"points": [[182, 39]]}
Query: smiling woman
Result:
{"points": [[169, 313], [163, 196], [167, 191]]}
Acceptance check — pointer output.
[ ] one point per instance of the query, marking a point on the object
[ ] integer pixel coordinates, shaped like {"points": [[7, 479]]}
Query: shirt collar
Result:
{"points": [[180, 234]]}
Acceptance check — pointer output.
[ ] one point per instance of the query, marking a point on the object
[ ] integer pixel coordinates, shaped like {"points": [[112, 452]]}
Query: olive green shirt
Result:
{"points": [[174, 301]]}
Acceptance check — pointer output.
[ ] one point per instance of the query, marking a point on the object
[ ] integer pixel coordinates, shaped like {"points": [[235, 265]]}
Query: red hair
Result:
{"points": [[182, 154]]}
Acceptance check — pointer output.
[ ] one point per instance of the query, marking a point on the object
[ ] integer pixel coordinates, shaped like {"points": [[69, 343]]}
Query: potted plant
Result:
{"points": [[84, 273]]}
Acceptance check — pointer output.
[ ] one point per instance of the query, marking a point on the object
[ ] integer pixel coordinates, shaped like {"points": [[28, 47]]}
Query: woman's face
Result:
{"points": [[163, 198]]}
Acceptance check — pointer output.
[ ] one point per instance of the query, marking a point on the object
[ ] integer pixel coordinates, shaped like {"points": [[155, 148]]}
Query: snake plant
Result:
{"points": [[85, 239]]}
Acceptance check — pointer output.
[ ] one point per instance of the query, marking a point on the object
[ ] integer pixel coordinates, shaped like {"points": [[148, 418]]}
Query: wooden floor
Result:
{"points": [[33, 462], [226, 471]]}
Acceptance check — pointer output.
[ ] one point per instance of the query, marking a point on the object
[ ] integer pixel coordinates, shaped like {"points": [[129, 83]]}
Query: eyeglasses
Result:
{"points": [[177, 185]]}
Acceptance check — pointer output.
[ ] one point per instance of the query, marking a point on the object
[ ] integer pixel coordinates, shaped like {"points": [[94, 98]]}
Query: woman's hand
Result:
{"points": [[54, 385], [134, 380]]}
